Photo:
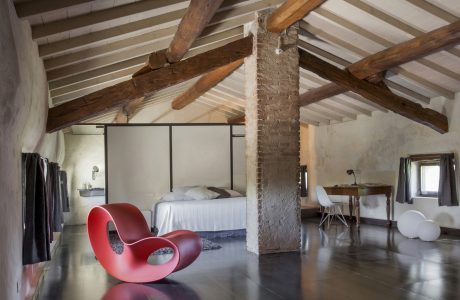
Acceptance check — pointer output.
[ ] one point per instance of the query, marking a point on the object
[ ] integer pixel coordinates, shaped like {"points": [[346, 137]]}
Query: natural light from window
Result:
{"points": [[429, 179]]}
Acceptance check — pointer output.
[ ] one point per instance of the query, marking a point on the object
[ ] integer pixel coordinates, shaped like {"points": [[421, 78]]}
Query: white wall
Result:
{"points": [[82, 153], [373, 145], [23, 109]]}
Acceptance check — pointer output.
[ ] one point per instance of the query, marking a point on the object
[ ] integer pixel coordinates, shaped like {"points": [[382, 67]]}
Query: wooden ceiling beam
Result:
{"points": [[80, 109], [226, 15], [237, 120], [431, 42], [205, 83], [375, 93], [198, 15], [31, 8], [290, 12]]}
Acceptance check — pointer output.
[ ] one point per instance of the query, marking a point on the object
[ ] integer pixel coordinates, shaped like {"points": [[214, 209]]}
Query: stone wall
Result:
{"points": [[272, 139], [373, 146]]}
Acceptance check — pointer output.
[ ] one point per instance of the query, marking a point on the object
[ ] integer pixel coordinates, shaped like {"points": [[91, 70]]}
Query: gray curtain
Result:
{"points": [[403, 194], [447, 194]]}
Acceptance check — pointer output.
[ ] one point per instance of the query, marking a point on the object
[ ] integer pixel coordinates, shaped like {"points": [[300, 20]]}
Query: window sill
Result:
{"points": [[425, 197]]}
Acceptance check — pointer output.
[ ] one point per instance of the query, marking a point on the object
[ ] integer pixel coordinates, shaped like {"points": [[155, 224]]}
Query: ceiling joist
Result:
{"points": [[375, 92], [80, 109], [434, 41]]}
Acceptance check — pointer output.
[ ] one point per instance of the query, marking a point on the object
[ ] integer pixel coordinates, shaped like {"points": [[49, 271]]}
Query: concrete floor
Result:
{"points": [[334, 263]]}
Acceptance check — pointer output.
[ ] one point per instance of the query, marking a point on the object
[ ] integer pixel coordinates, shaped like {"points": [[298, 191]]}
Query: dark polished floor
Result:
{"points": [[335, 263]]}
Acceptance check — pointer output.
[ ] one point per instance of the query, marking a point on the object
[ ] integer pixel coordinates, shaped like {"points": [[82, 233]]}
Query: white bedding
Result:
{"points": [[200, 215]]}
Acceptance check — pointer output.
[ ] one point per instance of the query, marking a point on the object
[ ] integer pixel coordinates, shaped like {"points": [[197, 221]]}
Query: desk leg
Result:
{"points": [[388, 210], [350, 206], [357, 208]]}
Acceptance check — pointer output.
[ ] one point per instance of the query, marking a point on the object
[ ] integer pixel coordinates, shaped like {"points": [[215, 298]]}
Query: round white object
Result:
{"points": [[408, 223], [428, 231]]}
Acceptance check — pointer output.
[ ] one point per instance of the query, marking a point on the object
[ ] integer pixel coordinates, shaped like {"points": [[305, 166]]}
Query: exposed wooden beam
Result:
{"points": [[374, 92], [67, 45], [125, 114], [30, 8], [205, 83], [290, 12], [101, 101], [237, 120], [431, 42], [198, 15]]}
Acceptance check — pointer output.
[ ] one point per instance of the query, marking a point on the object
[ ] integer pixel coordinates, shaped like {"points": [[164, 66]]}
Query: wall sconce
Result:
{"points": [[349, 172], [95, 170]]}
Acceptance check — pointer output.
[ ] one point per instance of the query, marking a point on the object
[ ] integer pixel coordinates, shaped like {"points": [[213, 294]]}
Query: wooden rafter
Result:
{"points": [[431, 42], [374, 92], [106, 99], [205, 83], [237, 120], [197, 16], [290, 12]]}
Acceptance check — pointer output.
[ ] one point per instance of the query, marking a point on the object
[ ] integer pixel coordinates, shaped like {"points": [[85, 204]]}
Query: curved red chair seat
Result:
{"points": [[139, 243]]}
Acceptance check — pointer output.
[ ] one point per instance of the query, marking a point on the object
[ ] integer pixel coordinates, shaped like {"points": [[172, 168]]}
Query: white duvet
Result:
{"points": [[200, 215]]}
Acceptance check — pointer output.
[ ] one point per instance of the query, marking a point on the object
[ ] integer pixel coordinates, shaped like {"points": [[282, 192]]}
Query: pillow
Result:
{"points": [[234, 194], [183, 189], [175, 196], [201, 193]]}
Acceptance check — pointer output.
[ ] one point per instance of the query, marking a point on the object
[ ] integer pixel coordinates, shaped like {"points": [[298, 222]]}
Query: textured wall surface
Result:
{"points": [[23, 108], [82, 153], [373, 146], [272, 141]]}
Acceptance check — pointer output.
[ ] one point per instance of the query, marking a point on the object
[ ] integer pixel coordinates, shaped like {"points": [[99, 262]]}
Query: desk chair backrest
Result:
{"points": [[322, 196]]}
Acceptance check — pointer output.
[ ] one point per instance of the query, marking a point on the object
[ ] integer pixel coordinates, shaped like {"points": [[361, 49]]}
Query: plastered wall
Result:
{"points": [[373, 146], [82, 153], [23, 110]]}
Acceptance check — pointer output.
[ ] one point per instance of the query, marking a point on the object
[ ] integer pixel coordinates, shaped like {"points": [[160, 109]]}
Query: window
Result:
{"points": [[428, 178]]}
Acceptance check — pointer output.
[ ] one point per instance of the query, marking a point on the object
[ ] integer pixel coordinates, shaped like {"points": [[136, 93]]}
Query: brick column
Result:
{"points": [[272, 142]]}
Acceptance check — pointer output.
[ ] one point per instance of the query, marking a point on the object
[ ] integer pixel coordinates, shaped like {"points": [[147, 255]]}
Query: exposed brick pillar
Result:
{"points": [[272, 141]]}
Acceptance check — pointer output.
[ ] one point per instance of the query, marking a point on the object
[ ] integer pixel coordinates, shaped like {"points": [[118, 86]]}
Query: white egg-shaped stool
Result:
{"points": [[408, 223], [428, 231]]}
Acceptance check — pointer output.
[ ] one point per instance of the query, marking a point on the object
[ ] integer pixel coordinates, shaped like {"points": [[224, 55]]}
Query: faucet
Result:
{"points": [[95, 170]]}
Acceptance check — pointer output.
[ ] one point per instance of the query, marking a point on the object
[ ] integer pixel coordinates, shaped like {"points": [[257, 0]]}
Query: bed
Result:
{"points": [[210, 215]]}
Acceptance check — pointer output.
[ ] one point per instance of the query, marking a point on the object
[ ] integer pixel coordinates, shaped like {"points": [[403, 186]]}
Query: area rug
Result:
{"points": [[117, 245]]}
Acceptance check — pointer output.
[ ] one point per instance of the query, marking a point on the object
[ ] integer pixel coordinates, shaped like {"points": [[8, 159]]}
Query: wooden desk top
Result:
{"points": [[363, 189]]}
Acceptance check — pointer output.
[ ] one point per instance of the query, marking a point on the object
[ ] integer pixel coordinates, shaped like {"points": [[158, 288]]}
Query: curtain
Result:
{"points": [[303, 186], [36, 239], [447, 194], [64, 191], [403, 194]]}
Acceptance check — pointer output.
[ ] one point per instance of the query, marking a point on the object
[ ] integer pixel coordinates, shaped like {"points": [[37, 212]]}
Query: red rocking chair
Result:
{"points": [[139, 243]]}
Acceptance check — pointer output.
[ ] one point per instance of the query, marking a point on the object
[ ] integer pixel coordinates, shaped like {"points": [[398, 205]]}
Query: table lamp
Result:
{"points": [[349, 172]]}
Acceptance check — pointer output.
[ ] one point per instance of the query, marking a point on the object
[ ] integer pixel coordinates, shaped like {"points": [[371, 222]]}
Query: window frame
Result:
{"points": [[422, 163]]}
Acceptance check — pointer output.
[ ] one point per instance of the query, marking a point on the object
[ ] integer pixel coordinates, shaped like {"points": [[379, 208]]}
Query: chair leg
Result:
{"points": [[324, 217], [341, 217]]}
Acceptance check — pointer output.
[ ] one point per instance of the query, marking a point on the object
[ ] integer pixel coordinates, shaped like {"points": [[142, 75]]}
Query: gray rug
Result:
{"points": [[117, 245]]}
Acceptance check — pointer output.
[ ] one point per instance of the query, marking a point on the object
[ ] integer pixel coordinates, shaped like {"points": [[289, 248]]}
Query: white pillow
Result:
{"points": [[183, 189], [201, 193], [175, 196], [234, 194]]}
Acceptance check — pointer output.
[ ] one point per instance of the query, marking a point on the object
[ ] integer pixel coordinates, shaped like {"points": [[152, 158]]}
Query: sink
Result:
{"points": [[93, 192]]}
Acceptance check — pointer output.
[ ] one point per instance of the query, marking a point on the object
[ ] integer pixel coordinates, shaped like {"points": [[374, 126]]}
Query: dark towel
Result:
{"points": [[36, 244], [64, 191]]}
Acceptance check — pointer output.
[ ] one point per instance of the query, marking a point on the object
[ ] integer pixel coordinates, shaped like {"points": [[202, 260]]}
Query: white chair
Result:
{"points": [[330, 209]]}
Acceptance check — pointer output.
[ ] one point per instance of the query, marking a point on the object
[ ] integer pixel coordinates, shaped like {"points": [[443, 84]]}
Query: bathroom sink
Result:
{"points": [[93, 192]]}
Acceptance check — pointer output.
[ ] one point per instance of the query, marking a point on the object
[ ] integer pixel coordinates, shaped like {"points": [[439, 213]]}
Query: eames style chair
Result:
{"points": [[131, 265], [331, 209]]}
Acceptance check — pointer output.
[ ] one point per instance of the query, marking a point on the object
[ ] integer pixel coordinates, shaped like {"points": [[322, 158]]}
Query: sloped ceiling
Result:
{"points": [[89, 45]]}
